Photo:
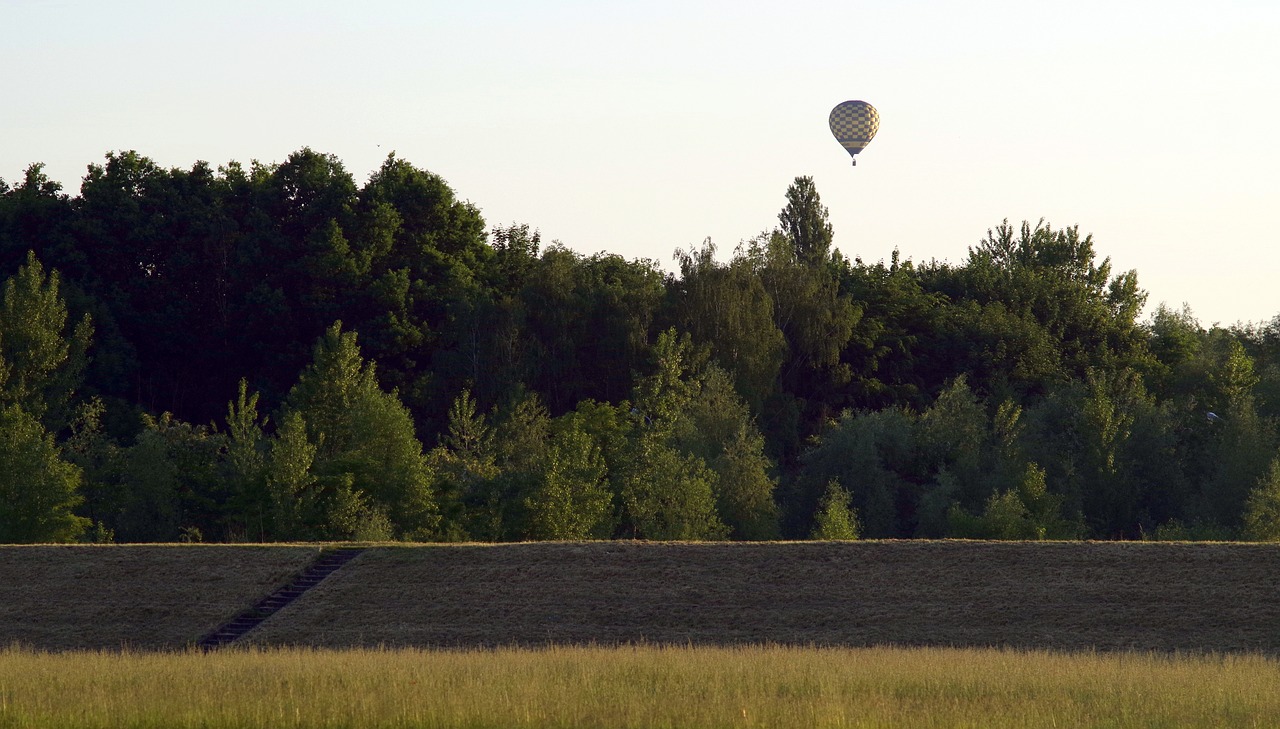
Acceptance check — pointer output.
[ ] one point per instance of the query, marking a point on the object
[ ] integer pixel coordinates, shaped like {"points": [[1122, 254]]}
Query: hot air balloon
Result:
{"points": [[854, 123]]}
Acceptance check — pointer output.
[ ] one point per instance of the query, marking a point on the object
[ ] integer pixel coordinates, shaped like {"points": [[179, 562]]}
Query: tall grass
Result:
{"points": [[635, 687]]}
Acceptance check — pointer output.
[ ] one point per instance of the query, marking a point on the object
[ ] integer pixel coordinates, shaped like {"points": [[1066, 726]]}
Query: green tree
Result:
{"points": [[41, 366], [817, 321], [1026, 512], [172, 481], [885, 352], [38, 488], [573, 501], [1111, 452], [836, 518], [166, 257], [245, 466], [870, 452], [364, 439], [716, 426], [1175, 340], [965, 455], [522, 432], [294, 500], [466, 471], [727, 308], [588, 324], [1003, 354], [953, 433], [1042, 295], [1240, 453], [804, 223], [37, 215], [745, 492], [665, 493], [98, 456], [1262, 510], [43, 363]]}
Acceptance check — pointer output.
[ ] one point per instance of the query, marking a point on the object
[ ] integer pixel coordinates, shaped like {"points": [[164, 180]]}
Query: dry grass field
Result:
{"points": [[1066, 595], [641, 688], [143, 597]]}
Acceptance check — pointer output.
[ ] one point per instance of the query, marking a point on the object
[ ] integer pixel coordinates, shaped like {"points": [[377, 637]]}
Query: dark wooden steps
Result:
{"points": [[234, 629]]}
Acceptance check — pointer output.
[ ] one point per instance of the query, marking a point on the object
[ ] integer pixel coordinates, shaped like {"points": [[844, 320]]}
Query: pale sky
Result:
{"points": [[642, 127]]}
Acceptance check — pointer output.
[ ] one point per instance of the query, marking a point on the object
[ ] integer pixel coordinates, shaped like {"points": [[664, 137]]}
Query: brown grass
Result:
{"points": [[147, 597], [1144, 596]]}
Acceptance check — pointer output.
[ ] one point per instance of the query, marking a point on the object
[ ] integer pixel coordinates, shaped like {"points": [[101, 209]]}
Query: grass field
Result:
{"points": [[775, 687]]}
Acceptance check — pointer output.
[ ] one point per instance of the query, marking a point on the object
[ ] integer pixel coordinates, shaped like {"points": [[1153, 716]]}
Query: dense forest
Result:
{"points": [[277, 353]]}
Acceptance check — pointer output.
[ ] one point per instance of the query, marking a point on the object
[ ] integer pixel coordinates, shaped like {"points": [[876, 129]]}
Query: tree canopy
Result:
{"points": [[275, 351]]}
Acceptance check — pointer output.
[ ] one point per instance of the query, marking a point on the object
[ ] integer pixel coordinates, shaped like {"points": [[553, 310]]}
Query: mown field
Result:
{"points": [[144, 596], [776, 687], [1072, 596]]}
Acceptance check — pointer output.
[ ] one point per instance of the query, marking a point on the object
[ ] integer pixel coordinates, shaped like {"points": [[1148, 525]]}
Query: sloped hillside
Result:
{"points": [[146, 597], [1157, 596]]}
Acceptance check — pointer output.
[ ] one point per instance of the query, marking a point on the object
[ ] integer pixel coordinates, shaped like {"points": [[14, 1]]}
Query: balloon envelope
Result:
{"points": [[854, 123]]}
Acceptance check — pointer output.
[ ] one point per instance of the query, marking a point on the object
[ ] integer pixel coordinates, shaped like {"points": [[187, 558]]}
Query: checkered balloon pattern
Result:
{"points": [[854, 123]]}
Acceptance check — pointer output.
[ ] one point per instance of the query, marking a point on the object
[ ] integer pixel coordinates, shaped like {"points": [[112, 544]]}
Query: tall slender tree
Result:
{"points": [[805, 223]]}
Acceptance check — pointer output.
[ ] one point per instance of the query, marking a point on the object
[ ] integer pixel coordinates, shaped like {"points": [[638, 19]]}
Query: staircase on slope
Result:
{"points": [[324, 566]]}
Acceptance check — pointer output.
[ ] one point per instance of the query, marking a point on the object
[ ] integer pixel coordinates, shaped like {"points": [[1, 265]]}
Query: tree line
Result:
{"points": [[274, 352]]}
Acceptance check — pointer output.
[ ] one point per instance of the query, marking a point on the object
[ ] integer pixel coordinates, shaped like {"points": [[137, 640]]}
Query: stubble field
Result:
{"points": [[1059, 596]]}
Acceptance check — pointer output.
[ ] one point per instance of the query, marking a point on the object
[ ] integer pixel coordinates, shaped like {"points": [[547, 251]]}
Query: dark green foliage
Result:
{"points": [[717, 427], [804, 223], [1041, 310], [245, 467], [884, 354], [40, 368], [465, 473], [522, 445], [42, 363], [572, 500], [170, 481], [367, 463], [1012, 394], [588, 322], [727, 308], [1262, 510], [99, 458], [666, 492], [817, 321], [868, 453], [294, 500], [1027, 511]]}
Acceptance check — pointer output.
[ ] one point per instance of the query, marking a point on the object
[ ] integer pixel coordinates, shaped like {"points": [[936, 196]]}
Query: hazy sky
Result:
{"points": [[640, 127]]}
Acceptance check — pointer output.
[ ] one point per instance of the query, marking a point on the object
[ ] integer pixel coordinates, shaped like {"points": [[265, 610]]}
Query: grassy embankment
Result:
{"points": [[1053, 596], [635, 687], [1032, 595], [136, 596]]}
